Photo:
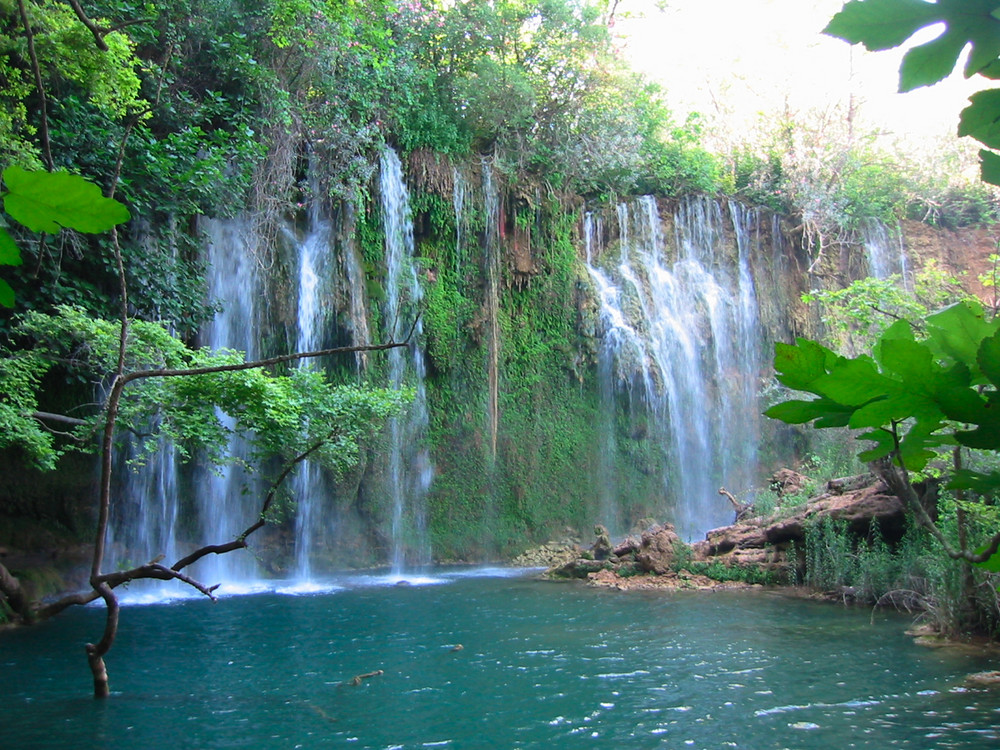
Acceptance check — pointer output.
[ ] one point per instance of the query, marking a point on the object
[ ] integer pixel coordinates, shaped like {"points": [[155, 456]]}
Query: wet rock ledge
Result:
{"points": [[757, 549]]}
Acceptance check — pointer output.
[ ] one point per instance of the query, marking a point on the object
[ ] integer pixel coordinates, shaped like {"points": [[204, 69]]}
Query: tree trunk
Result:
{"points": [[10, 587], [95, 653]]}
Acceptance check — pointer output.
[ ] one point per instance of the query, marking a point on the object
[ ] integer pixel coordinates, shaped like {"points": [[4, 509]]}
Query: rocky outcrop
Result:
{"points": [[758, 545], [658, 549], [764, 541], [654, 551]]}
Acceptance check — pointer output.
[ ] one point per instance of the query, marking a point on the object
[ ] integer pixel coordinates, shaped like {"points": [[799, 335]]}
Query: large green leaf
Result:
{"points": [[956, 332], [954, 396], [982, 28], [981, 119], [881, 24], [988, 358], [799, 365], [986, 434], [10, 255], [905, 358], [987, 485], [989, 167], [929, 63], [991, 71], [854, 382], [884, 445], [799, 412], [49, 201], [920, 443], [882, 411], [6, 294]]}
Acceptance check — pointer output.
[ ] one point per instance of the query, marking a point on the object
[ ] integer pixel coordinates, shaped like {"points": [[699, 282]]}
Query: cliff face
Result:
{"points": [[577, 364], [963, 253]]}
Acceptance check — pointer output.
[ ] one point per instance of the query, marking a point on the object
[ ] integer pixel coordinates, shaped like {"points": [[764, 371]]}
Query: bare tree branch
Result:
{"points": [[240, 541], [72, 600], [47, 416], [155, 571], [43, 127], [100, 32]]}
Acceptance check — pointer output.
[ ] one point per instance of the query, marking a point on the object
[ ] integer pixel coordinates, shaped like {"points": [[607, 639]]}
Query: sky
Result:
{"points": [[741, 57]]}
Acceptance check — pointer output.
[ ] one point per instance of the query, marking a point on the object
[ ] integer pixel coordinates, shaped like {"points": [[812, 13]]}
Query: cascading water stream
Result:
{"points": [[410, 469], [886, 255], [145, 510], [308, 486], [617, 335], [491, 202], [223, 507], [682, 338]]}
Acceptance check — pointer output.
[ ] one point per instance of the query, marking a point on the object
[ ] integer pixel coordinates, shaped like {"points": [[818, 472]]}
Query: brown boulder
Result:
{"points": [[858, 508], [788, 482], [658, 549], [739, 535]]}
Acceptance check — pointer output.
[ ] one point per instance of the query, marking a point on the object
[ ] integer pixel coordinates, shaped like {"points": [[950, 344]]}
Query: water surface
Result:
{"points": [[542, 665]]}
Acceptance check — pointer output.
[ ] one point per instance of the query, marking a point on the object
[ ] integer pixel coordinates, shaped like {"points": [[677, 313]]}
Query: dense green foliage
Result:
{"points": [[856, 315], [206, 107], [280, 415]]}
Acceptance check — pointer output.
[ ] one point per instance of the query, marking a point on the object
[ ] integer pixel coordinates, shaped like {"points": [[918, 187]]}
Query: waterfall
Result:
{"points": [[146, 506], [617, 335], [886, 255], [410, 469], [491, 202], [217, 510], [224, 508], [681, 338], [308, 486]]}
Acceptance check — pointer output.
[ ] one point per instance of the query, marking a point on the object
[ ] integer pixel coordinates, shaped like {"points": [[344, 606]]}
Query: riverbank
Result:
{"points": [[847, 540]]}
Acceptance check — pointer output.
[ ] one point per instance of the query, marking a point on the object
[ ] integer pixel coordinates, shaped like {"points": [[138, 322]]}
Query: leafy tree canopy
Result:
{"points": [[281, 415]]}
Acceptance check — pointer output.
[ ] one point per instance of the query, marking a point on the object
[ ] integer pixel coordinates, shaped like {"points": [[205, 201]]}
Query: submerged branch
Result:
{"points": [[96, 652]]}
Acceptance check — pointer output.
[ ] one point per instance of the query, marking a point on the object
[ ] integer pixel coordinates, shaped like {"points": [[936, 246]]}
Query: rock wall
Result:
{"points": [[524, 465]]}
